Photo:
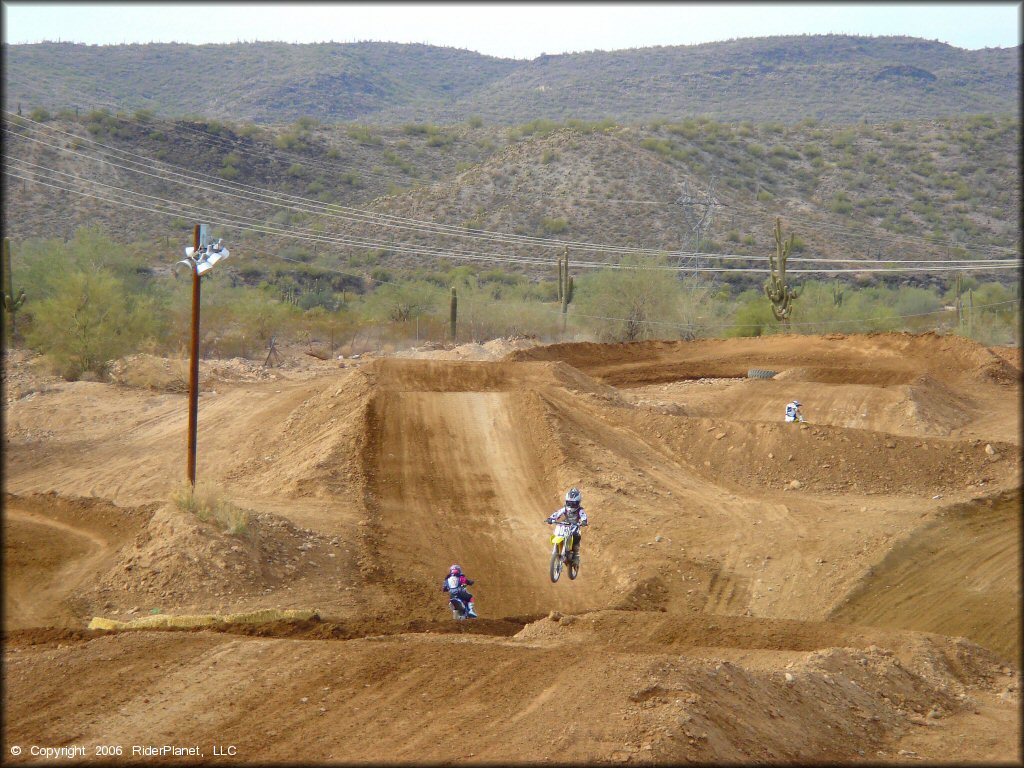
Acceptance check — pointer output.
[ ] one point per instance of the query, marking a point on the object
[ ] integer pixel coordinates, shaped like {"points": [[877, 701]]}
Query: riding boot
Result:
{"points": [[470, 610]]}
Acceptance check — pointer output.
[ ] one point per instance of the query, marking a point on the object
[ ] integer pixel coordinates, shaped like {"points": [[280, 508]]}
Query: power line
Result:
{"points": [[548, 242], [220, 217], [190, 180]]}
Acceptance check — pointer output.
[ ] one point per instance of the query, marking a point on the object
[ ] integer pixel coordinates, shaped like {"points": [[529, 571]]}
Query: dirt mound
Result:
{"points": [[960, 574], [306, 446], [829, 375], [827, 459], [879, 358], [171, 374], [25, 373], [495, 349], [178, 560]]}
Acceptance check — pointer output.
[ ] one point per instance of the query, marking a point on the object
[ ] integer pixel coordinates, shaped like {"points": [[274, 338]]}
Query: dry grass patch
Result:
{"points": [[206, 501]]}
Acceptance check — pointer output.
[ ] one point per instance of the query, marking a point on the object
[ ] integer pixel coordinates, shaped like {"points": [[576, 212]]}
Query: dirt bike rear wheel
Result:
{"points": [[556, 565]]}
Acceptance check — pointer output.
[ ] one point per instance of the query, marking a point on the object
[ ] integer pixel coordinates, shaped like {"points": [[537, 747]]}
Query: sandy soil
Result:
{"points": [[846, 590]]}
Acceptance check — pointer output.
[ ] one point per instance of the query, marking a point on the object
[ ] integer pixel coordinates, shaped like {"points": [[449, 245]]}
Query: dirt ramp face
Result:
{"points": [[959, 576], [460, 464]]}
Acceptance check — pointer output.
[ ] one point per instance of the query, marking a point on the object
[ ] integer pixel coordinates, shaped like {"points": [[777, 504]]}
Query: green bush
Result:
{"points": [[554, 226], [364, 134], [89, 321], [289, 140]]}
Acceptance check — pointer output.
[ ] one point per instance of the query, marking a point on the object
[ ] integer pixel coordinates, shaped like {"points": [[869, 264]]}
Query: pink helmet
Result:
{"points": [[455, 570]]}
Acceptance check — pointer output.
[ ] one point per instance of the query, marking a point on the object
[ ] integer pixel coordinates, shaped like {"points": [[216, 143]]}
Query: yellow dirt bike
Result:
{"points": [[561, 549]]}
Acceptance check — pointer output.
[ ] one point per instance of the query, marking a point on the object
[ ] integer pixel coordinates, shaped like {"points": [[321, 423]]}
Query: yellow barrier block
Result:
{"points": [[204, 620]]}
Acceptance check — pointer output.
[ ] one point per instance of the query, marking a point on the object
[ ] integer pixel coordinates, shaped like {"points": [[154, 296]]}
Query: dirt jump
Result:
{"points": [[845, 589]]}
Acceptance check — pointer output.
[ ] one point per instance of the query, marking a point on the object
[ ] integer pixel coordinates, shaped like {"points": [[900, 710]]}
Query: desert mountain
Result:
{"points": [[834, 78]]}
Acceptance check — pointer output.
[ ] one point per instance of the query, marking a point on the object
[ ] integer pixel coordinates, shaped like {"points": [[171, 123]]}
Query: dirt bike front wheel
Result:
{"points": [[556, 565]]}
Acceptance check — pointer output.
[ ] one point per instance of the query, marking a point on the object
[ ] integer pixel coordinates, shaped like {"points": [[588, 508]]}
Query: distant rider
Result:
{"points": [[572, 512], [455, 585], [793, 411]]}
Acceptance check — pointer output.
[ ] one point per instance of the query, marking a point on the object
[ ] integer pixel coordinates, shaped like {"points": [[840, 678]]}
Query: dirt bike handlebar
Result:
{"points": [[559, 522]]}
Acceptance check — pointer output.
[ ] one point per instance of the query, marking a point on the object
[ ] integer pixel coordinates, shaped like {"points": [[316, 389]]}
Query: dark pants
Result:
{"points": [[464, 596]]}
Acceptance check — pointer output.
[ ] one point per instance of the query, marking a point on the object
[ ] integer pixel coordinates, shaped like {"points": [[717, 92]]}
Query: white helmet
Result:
{"points": [[573, 498]]}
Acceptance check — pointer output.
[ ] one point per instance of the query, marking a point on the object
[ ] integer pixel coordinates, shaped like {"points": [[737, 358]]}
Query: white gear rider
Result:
{"points": [[572, 512], [793, 411]]}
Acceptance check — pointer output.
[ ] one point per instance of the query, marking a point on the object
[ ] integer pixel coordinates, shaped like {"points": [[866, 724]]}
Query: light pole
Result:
{"points": [[199, 260]]}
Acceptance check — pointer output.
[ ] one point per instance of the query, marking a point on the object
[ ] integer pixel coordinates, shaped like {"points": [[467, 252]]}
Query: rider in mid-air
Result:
{"points": [[572, 512], [455, 585]]}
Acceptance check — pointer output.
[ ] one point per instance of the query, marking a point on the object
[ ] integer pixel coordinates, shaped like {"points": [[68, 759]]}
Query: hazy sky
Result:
{"points": [[511, 30]]}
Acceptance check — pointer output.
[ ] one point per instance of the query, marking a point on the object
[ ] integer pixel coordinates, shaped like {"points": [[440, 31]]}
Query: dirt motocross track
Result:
{"points": [[845, 590]]}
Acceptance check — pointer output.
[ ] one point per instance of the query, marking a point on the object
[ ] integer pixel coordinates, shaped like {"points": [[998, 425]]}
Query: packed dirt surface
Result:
{"points": [[843, 590]]}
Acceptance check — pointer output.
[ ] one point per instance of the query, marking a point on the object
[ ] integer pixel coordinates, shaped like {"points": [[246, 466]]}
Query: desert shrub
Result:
{"points": [[207, 502], [638, 302], [39, 114], [841, 203], [753, 316], [364, 134], [88, 321], [289, 140], [844, 138], [402, 302], [554, 226]]}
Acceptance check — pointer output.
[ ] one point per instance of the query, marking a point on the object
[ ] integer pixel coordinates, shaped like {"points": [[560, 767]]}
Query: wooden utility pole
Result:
{"points": [[193, 371]]}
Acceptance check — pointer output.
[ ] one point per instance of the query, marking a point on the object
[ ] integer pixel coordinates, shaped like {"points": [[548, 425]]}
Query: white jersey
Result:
{"points": [[792, 411], [566, 515]]}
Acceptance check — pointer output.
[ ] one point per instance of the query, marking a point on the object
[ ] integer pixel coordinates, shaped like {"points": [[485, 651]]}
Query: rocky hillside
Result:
{"points": [[318, 194], [834, 78]]}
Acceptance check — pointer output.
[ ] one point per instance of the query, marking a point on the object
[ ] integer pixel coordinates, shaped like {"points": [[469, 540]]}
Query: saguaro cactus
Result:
{"points": [[561, 275], [958, 287], [837, 294], [12, 303], [453, 313], [776, 289], [565, 285]]}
